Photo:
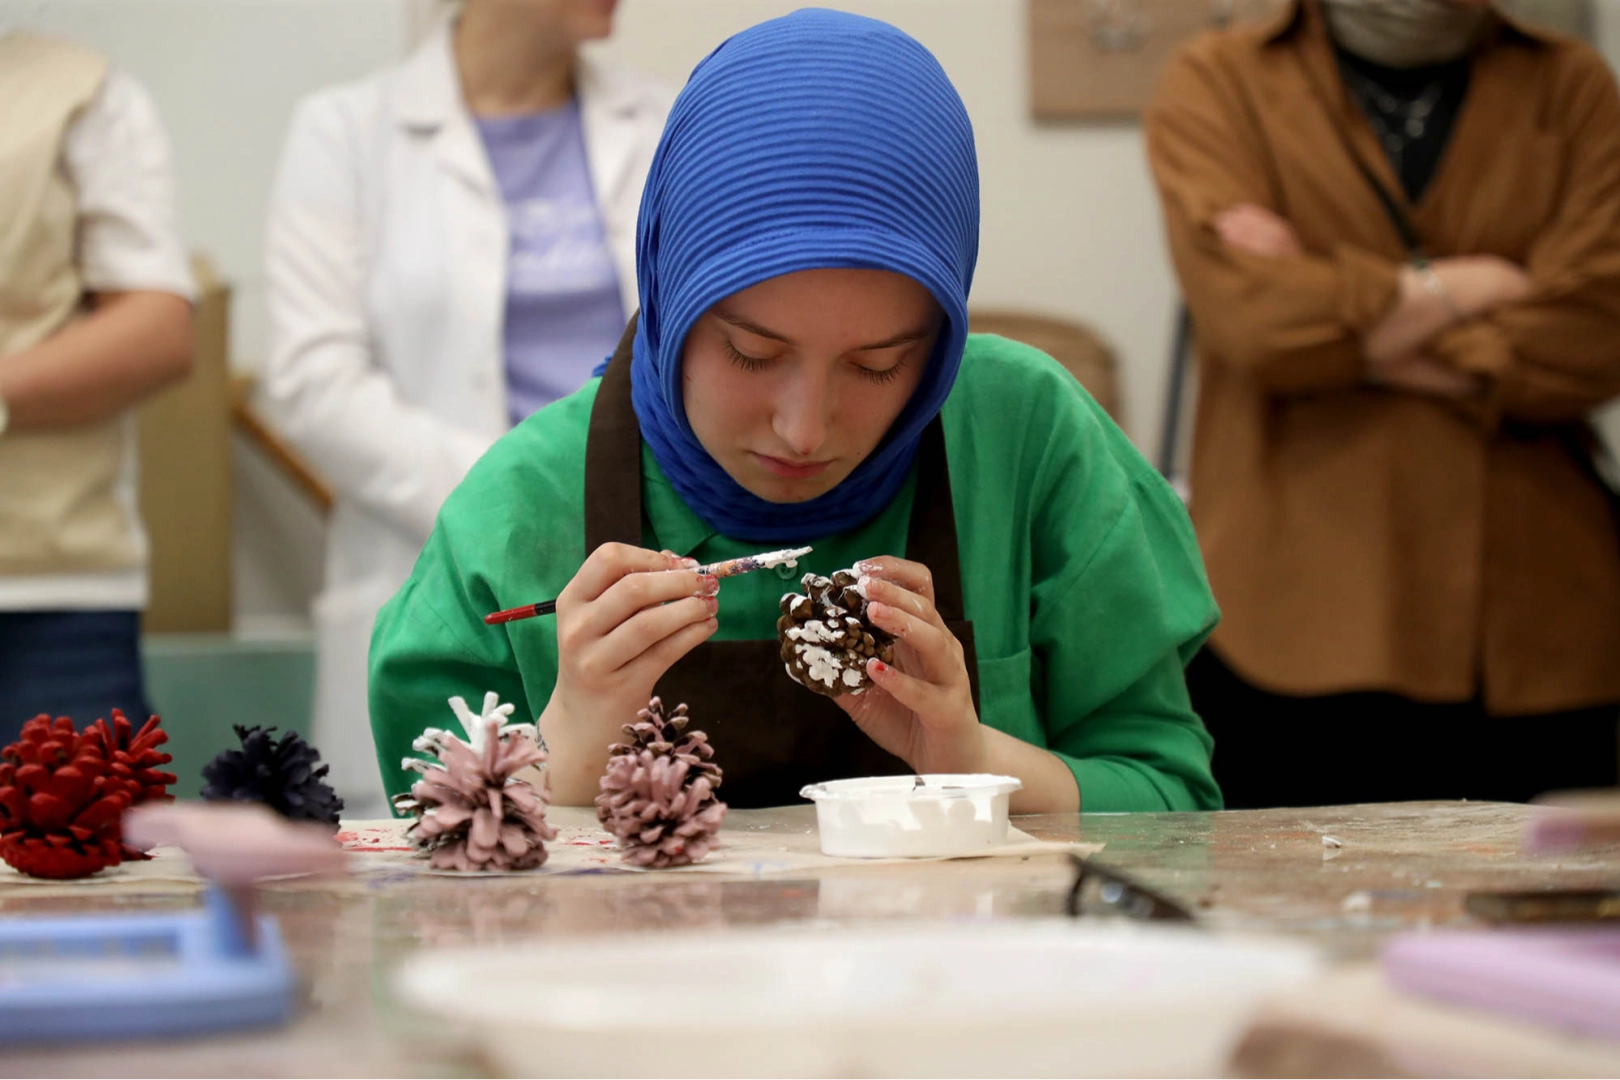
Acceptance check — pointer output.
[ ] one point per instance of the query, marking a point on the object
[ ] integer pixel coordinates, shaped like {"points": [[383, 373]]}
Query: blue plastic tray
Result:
{"points": [[122, 976]]}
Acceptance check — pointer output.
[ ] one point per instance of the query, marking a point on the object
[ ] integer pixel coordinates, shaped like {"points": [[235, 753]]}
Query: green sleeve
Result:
{"points": [[490, 549], [419, 658], [1120, 604]]}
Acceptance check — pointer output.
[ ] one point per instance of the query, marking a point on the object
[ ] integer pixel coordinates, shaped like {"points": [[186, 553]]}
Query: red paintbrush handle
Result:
{"points": [[527, 611]]}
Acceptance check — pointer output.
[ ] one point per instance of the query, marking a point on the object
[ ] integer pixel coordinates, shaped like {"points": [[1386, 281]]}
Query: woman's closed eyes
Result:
{"points": [[760, 363]]}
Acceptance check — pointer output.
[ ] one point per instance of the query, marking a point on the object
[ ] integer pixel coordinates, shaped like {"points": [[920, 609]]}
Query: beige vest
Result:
{"points": [[59, 507]]}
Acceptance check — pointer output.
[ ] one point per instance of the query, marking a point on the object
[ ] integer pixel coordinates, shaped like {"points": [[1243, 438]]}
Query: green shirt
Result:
{"points": [[1080, 574]]}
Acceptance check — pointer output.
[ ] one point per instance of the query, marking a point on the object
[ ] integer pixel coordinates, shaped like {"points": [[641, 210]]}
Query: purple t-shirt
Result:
{"points": [[563, 312]]}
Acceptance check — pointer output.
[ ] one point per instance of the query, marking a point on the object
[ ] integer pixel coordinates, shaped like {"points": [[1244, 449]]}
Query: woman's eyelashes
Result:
{"points": [[760, 363], [742, 359], [884, 375]]}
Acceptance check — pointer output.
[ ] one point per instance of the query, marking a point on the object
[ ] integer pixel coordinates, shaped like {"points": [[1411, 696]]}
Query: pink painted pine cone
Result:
{"points": [[471, 814], [658, 793]]}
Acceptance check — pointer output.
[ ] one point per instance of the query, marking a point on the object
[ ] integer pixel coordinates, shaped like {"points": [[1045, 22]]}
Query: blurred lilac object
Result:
{"points": [[236, 844], [1574, 822], [1569, 979]]}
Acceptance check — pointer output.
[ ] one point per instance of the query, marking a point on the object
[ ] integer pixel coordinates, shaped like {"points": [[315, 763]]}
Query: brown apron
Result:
{"points": [[771, 736]]}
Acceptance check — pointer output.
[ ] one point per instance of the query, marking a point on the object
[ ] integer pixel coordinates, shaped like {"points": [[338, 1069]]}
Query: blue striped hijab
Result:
{"points": [[816, 140]]}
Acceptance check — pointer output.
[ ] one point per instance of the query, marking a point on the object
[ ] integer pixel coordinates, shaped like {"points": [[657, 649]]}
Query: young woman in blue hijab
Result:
{"points": [[801, 374]]}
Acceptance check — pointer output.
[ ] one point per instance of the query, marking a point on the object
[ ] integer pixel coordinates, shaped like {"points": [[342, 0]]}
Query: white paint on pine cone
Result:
{"points": [[821, 665]]}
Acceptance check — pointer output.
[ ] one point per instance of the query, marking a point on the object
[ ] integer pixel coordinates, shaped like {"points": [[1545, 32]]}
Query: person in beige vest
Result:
{"points": [[1397, 227], [95, 314]]}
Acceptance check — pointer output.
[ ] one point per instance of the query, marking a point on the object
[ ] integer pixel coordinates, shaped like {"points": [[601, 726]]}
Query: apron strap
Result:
{"points": [[613, 455], [613, 485], [931, 539]]}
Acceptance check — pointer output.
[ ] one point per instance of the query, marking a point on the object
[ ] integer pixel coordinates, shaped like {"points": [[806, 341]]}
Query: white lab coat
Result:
{"points": [[386, 260]]}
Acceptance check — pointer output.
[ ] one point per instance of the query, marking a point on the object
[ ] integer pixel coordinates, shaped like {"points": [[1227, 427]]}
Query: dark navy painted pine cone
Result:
{"points": [[281, 773]]}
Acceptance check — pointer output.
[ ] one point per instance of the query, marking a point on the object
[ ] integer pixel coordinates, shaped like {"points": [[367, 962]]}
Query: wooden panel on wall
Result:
{"points": [[1100, 59]]}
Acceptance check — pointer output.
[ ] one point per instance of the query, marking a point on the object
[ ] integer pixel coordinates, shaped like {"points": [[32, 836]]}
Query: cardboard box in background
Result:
{"points": [[185, 478]]}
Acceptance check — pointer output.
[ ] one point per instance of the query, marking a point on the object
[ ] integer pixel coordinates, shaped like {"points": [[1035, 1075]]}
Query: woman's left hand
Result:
{"points": [[921, 707], [1258, 231]]}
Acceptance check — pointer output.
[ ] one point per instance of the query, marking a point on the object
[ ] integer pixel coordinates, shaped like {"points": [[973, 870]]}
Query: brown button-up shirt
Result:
{"points": [[1359, 538]]}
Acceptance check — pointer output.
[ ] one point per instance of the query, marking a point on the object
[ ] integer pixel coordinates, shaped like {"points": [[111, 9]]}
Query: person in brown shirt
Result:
{"points": [[1397, 227]]}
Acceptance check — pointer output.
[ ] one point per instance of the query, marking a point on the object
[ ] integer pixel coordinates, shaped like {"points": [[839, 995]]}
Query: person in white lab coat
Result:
{"points": [[451, 245]]}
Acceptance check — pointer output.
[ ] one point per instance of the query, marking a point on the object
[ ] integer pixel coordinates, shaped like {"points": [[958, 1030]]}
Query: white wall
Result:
{"points": [[1606, 28]]}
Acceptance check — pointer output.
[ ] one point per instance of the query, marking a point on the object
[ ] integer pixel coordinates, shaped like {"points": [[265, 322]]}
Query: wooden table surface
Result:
{"points": [[1398, 866]]}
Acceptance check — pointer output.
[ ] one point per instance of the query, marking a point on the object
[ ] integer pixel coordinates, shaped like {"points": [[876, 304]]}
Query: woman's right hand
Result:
{"points": [[626, 617], [1479, 284], [1470, 286]]}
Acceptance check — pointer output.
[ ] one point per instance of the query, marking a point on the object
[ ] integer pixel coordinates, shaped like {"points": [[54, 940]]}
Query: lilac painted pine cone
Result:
{"points": [[658, 794], [470, 812]]}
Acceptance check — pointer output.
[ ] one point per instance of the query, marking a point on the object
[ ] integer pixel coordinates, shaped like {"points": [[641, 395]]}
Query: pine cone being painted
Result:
{"points": [[281, 773], [827, 636], [61, 802], [658, 793], [471, 810]]}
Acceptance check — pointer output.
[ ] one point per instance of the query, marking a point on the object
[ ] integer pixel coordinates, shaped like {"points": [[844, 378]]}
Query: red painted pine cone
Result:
{"points": [[61, 802], [658, 793], [134, 757], [134, 754]]}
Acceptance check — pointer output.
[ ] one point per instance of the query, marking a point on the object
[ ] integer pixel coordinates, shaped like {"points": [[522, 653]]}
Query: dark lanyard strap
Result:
{"points": [[1416, 253]]}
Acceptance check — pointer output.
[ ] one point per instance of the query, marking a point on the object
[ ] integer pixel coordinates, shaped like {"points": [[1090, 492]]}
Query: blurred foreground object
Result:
{"points": [[216, 968]]}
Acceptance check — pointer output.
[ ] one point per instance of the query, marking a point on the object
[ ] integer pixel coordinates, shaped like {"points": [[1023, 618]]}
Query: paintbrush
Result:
{"points": [[726, 568]]}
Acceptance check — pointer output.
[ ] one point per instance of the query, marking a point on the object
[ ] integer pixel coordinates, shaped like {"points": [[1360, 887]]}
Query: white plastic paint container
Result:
{"points": [[933, 816]]}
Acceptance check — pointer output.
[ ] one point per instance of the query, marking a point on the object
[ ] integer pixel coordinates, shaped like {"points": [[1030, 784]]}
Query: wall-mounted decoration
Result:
{"points": [[1100, 59]]}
